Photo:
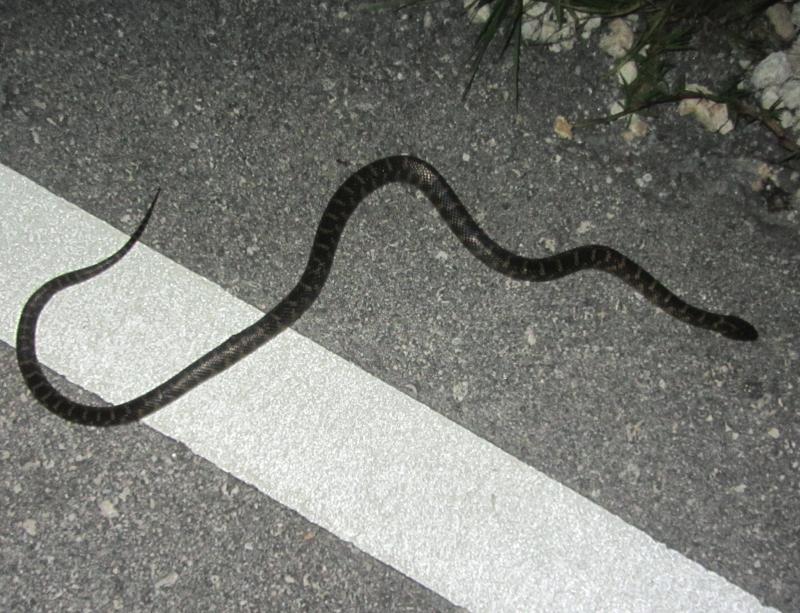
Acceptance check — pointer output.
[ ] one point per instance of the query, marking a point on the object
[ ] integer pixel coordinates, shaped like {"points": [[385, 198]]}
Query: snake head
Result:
{"points": [[736, 328]]}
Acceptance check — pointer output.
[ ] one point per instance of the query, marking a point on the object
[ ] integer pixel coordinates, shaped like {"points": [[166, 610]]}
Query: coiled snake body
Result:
{"points": [[402, 169]]}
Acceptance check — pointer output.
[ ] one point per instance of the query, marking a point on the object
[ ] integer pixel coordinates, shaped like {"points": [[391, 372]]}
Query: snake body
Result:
{"points": [[396, 169]]}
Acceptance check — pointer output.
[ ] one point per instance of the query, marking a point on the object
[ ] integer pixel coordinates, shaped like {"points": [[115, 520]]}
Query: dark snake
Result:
{"points": [[397, 169]]}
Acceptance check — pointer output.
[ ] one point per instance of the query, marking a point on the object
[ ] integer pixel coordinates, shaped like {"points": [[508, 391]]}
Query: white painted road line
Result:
{"points": [[323, 437]]}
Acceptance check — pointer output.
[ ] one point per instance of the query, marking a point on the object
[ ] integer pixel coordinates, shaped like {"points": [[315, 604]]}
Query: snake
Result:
{"points": [[395, 169]]}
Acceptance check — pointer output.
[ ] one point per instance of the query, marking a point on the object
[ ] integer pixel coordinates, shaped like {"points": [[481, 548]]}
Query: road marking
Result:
{"points": [[321, 436]]}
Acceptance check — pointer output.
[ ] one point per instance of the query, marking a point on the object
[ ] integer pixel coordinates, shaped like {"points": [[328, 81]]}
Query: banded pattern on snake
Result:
{"points": [[401, 169]]}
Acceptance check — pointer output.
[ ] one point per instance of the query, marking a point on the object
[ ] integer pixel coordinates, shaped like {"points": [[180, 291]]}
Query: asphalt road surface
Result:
{"points": [[430, 435]]}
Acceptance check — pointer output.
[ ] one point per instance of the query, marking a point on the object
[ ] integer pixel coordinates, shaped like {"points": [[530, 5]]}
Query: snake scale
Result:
{"points": [[396, 169]]}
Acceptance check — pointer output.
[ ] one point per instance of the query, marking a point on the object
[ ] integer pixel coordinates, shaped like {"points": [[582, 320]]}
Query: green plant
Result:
{"points": [[668, 27]]}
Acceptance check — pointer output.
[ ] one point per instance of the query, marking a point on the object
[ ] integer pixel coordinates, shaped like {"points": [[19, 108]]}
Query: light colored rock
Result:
{"points": [[618, 40], [564, 45], [769, 97], [567, 31], [546, 29], [628, 72], [590, 25], [780, 17], [530, 30], [541, 25], [713, 116], [772, 70], [547, 32], [562, 127], [536, 9], [637, 128], [789, 93], [794, 56], [481, 15]]}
